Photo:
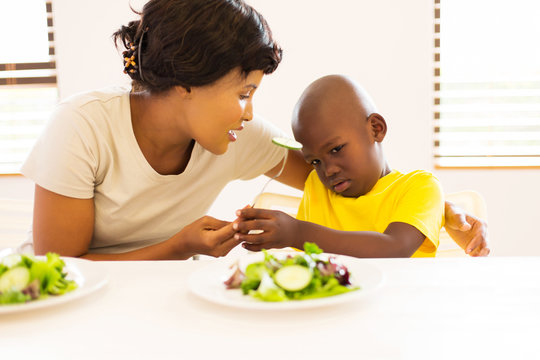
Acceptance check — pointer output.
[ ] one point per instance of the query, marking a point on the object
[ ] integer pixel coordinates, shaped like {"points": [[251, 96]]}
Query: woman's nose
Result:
{"points": [[248, 112]]}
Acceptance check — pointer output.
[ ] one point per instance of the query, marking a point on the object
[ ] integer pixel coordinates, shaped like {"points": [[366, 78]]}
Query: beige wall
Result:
{"points": [[385, 45]]}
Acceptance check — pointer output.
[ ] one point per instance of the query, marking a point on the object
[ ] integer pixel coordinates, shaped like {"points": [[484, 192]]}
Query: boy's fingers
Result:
{"points": [[474, 244], [484, 252], [254, 213], [250, 238], [252, 247], [245, 226]]}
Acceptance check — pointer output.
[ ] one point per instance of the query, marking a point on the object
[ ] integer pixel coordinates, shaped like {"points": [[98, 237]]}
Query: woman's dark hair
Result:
{"points": [[195, 42]]}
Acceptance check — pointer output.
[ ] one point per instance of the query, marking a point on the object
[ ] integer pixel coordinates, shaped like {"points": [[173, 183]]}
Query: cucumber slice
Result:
{"points": [[14, 279], [287, 143], [293, 277]]}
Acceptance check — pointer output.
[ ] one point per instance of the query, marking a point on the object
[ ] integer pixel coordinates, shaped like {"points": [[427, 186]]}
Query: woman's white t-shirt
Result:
{"points": [[88, 150]]}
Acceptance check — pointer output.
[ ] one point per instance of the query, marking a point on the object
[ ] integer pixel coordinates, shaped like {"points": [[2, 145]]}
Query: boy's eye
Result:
{"points": [[336, 149], [244, 97], [315, 162]]}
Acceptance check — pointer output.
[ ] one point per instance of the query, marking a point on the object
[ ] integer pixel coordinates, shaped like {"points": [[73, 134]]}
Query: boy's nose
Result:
{"points": [[330, 169]]}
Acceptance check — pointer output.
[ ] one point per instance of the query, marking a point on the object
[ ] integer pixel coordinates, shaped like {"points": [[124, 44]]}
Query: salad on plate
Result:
{"points": [[299, 276], [25, 278]]}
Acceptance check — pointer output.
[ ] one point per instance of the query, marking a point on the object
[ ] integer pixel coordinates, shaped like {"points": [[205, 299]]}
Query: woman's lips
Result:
{"points": [[342, 186], [232, 134]]}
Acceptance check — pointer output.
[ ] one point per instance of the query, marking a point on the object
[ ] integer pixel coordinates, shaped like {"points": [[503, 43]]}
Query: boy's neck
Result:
{"points": [[386, 170]]}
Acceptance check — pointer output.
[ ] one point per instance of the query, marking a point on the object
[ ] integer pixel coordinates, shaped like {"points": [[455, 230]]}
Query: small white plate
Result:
{"points": [[207, 283], [89, 276]]}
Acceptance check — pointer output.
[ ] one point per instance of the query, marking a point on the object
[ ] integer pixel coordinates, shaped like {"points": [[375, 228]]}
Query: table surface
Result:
{"points": [[425, 309]]}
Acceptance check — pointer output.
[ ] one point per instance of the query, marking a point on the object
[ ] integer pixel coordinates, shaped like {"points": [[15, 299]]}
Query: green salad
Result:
{"points": [[307, 275], [25, 278]]}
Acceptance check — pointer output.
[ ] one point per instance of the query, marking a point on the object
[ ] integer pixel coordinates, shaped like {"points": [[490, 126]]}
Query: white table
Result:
{"points": [[461, 308]]}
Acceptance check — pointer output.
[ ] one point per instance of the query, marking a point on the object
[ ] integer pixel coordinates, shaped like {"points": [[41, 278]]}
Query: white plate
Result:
{"points": [[89, 276], [207, 283]]}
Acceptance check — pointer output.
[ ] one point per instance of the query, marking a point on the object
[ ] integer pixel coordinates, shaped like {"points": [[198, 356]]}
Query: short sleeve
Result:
{"points": [[64, 158], [255, 153], [422, 205], [304, 207]]}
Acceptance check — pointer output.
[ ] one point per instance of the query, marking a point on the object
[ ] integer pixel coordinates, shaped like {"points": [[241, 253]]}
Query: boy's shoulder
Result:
{"points": [[419, 182], [414, 178], [418, 175]]}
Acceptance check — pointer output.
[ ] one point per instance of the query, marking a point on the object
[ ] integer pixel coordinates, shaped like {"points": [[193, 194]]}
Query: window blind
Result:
{"points": [[28, 90], [487, 83]]}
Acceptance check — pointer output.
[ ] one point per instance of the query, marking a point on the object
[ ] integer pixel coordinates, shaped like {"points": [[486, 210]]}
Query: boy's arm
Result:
{"points": [[469, 232], [282, 230]]}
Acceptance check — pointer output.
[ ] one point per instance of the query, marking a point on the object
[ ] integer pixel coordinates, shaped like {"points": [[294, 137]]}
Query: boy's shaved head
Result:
{"points": [[325, 95], [341, 132]]}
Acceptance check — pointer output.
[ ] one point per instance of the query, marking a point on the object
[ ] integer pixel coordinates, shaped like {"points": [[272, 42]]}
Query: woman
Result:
{"points": [[128, 174]]}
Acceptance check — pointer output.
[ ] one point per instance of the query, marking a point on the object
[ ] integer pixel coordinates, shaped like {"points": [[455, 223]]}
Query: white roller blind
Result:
{"points": [[28, 90], [487, 83]]}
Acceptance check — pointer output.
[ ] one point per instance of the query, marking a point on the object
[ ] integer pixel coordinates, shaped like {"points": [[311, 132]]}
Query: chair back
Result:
{"points": [[286, 203]]}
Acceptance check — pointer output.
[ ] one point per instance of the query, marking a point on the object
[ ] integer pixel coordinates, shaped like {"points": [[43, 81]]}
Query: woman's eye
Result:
{"points": [[336, 149], [315, 162]]}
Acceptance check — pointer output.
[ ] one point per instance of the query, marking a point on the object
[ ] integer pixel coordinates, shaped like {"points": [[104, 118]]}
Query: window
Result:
{"points": [[487, 83], [28, 90]]}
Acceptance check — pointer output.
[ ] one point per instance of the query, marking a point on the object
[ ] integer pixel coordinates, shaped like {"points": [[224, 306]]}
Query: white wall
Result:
{"points": [[385, 45]]}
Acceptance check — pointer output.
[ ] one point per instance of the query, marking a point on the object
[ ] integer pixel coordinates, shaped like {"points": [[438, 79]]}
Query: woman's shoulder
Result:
{"points": [[99, 97]]}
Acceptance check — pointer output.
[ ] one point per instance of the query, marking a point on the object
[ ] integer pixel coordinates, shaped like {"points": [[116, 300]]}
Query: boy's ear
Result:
{"points": [[378, 126]]}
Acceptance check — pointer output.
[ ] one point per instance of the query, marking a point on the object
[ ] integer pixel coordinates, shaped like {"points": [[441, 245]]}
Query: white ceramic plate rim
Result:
{"points": [[207, 283], [89, 276]]}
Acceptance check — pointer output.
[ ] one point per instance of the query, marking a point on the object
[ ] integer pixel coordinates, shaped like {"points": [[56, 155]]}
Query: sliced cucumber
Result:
{"points": [[14, 279], [287, 143], [293, 277]]}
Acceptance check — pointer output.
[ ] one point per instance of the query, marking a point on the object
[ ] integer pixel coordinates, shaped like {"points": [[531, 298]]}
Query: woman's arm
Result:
{"points": [[65, 225], [282, 230], [295, 172]]}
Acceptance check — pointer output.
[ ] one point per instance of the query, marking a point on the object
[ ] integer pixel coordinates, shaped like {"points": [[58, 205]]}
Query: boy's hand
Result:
{"points": [[279, 229], [469, 232]]}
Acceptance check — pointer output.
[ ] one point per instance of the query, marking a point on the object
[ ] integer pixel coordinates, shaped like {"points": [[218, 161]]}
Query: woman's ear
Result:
{"points": [[182, 91], [378, 126]]}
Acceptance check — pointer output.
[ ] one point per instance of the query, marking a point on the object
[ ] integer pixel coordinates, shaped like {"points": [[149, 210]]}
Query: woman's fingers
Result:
{"points": [[211, 223]]}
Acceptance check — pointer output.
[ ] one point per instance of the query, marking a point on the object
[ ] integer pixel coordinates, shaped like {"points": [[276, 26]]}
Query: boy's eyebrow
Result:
{"points": [[253, 86], [330, 142], [327, 144]]}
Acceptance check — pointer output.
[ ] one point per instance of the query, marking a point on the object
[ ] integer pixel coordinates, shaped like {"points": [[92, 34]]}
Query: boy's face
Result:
{"points": [[343, 148]]}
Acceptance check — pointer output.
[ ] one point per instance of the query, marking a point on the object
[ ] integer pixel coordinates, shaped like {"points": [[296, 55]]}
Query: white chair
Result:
{"points": [[470, 201]]}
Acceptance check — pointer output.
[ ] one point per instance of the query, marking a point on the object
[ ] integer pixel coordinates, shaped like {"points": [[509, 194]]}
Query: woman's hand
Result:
{"points": [[278, 229], [206, 236], [469, 232]]}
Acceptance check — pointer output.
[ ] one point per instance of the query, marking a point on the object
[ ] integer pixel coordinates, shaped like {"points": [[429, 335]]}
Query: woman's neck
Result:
{"points": [[159, 131]]}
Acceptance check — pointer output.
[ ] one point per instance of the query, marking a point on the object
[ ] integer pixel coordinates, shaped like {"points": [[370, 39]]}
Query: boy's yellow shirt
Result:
{"points": [[415, 198]]}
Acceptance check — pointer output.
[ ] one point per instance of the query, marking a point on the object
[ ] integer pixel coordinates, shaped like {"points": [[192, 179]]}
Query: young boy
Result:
{"points": [[353, 203]]}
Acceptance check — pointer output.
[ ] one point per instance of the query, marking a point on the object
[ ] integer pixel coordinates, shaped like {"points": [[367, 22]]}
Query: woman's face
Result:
{"points": [[216, 112]]}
